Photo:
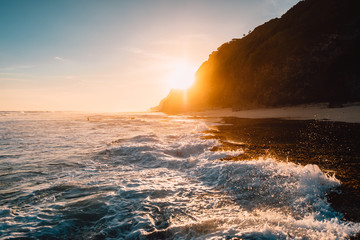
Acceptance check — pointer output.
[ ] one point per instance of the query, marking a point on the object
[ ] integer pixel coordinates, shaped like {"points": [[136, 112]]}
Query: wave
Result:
{"points": [[159, 178]]}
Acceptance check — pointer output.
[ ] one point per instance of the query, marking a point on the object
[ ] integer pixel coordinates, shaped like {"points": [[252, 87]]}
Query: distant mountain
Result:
{"points": [[310, 54]]}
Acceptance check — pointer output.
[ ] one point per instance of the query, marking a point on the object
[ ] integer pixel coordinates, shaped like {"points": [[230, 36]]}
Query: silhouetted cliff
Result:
{"points": [[310, 54]]}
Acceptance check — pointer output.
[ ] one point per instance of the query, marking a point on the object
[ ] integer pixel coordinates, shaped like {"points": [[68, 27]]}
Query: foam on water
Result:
{"points": [[138, 176]]}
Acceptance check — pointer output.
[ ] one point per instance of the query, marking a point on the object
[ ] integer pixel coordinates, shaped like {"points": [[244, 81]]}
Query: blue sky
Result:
{"points": [[112, 55]]}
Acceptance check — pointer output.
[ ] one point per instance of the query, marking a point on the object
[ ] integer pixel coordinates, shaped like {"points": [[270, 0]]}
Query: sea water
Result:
{"points": [[150, 176]]}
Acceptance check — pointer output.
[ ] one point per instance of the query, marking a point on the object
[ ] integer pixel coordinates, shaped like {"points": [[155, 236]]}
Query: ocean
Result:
{"points": [[151, 176]]}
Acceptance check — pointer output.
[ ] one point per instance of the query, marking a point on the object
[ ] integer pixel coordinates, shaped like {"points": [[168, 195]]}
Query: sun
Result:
{"points": [[181, 75]]}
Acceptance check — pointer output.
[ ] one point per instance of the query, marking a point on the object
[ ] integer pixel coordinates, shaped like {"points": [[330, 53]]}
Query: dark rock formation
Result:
{"points": [[311, 54]]}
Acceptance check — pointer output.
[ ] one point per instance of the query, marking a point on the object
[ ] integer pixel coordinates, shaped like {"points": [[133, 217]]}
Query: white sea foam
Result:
{"points": [[139, 176]]}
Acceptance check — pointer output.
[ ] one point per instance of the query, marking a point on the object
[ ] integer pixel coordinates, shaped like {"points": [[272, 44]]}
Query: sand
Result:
{"points": [[348, 113]]}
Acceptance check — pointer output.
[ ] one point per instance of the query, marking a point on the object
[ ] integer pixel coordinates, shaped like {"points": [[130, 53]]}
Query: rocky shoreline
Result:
{"points": [[333, 146]]}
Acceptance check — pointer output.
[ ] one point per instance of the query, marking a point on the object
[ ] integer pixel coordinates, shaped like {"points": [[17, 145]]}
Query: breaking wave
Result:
{"points": [[148, 176]]}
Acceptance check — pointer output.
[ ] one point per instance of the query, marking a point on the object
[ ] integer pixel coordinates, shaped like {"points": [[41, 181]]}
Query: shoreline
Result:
{"points": [[333, 146], [349, 113]]}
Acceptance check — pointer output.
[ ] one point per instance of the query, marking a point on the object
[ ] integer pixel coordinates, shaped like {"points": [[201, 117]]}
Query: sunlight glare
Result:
{"points": [[181, 75]]}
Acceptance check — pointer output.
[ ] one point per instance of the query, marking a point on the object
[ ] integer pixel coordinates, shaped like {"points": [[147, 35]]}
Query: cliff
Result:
{"points": [[310, 54]]}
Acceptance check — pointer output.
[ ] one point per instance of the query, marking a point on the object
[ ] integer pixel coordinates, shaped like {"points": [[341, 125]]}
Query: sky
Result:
{"points": [[113, 55]]}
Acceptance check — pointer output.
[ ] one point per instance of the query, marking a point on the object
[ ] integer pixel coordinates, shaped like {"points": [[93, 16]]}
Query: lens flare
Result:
{"points": [[181, 75]]}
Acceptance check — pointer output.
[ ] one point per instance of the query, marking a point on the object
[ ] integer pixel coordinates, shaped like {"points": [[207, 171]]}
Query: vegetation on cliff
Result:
{"points": [[310, 54]]}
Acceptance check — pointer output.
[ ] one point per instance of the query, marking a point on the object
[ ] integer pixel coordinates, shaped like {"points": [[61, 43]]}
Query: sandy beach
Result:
{"points": [[348, 113]]}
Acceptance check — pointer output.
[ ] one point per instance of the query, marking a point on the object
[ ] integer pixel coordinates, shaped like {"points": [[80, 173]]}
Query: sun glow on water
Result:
{"points": [[181, 76]]}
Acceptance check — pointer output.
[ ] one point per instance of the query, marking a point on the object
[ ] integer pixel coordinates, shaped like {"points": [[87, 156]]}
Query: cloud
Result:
{"points": [[16, 67], [59, 58], [3, 79]]}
